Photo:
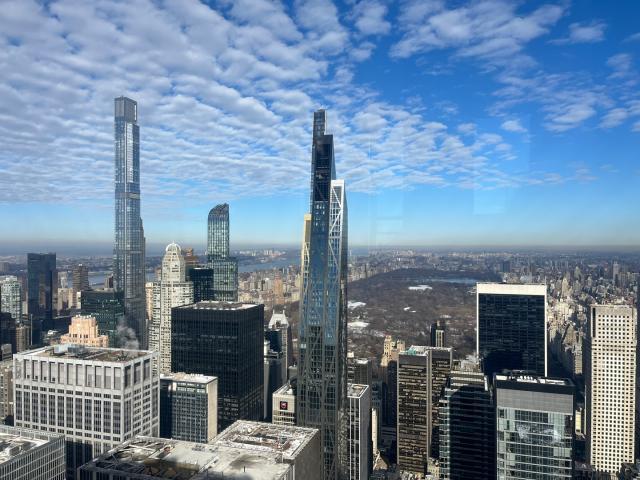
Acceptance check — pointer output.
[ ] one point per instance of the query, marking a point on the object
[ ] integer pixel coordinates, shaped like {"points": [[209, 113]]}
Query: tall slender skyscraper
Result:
{"points": [[322, 374], [225, 268], [42, 285], [11, 296], [129, 249]]}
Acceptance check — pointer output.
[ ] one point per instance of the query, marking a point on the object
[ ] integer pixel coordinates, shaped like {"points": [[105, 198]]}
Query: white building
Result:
{"points": [[284, 405], [610, 381], [11, 296], [171, 291], [97, 397], [31, 455], [358, 431]]}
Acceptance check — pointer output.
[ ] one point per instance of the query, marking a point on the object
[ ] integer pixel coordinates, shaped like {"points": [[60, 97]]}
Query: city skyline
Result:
{"points": [[514, 137]]}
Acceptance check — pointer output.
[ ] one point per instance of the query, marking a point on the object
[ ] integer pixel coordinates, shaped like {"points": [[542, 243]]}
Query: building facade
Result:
{"points": [[225, 268], [129, 248], [84, 331], [359, 455], [611, 386], [97, 397], [11, 296], [31, 455], [6, 392], [512, 327], [79, 281], [535, 427], [107, 307], [322, 370], [42, 285], [224, 340], [171, 291], [202, 279], [284, 404], [279, 326], [188, 407]]}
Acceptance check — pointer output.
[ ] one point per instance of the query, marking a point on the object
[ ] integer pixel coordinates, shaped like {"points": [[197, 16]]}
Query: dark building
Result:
{"points": [[438, 338], [275, 374], [42, 287], [80, 279], [467, 428], [202, 279], [511, 326], [107, 306], [8, 331], [225, 268], [225, 340], [359, 371]]}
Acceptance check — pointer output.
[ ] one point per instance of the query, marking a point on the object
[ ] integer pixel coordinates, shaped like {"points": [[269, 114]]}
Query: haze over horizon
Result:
{"points": [[485, 123]]}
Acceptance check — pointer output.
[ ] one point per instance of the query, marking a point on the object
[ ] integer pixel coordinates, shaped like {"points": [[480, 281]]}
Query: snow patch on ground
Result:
{"points": [[352, 305], [421, 288]]}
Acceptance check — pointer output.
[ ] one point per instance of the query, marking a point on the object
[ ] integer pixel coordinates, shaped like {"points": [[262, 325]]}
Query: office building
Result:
{"points": [[441, 359], [359, 457], [512, 327], [467, 427], [389, 374], [438, 338], [202, 279], [22, 337], [322, 369], [279, 327], [79, 282], [42, 285], [84, 331], [171, 291], [610, 385], [11, 296], [188, 407], [129, 248], [275, 375], [224, 340], [7, 331], [31, 455], [359, 370], [97, 397], [107, 307], [225, 268], [244, 451], [535, 427], [6, 391], [284, 404]]}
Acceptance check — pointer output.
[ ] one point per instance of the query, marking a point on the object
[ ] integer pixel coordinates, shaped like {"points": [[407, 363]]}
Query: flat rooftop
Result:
{"points": [[188, 377], [355, 389], [17, 441], [247, 450], [80, 352], [532, 379], [218, 305], [422, 350], [511, 288]]}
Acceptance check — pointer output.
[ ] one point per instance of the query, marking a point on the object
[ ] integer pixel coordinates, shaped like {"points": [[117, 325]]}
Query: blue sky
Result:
{"points": [[455, 123]]}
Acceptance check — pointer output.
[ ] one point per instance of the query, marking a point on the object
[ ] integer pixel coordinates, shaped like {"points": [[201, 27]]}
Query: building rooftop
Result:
{"points": [[81, 352], [512, 288], [15, 441], [356, 390], [247, 450], [526, 378], [218, 305], [188, 377], [422, 350]]}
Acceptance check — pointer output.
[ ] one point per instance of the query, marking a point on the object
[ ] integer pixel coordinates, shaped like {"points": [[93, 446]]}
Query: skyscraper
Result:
{"points": [[107, 306], [359, 455], [11, 296], [42, 285], [225, 268], [129, 248], [438, 334], [84, 331], [80, 280], [171, 291], [322, 375], [512, 327], [280, 329], [610, 385], [535, 427]]}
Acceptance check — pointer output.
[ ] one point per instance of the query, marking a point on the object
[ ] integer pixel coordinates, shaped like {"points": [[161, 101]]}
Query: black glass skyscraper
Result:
{"points": [[512, 330], [225, 268], [322, 374], [129, 249], [42, 287], [107, 306], [223, 340]]}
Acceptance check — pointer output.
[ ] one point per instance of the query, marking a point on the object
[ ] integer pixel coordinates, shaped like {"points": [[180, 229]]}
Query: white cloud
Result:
{"points": [[621, 65], [513, 125], [614, 118], [583, 33], [633, 38], [370, 17]]}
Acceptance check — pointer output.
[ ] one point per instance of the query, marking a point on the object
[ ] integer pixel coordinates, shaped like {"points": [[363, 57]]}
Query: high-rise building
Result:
{"points": [[467, 427], [512, 327], [202, 279], [389, 374], [224, 340], [359, 459], [84, 331], [322, 370], [284, 404], [42, 285], [225, 268], [31, 455], [359, 370], [279, 327], [23, 337], [6, 391], [610, 385], [188, 407], [244, 451], [171, 291], [535, 427], [79, 281], [129, 249], [438, 334], [7, 332], [99, 397], [11, 296], [107, 307], [275, 375], [422, 374]]}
